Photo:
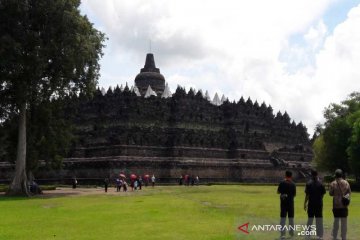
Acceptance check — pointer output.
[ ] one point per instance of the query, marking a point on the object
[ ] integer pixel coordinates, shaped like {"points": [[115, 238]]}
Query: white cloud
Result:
{"points": [[337, 65], [316, 35], [237, 48]]}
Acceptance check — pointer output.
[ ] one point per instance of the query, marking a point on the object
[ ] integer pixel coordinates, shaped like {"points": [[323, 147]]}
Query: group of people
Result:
{"points": [[135, 183], [339, 189], [121, 183], [188, 180]]}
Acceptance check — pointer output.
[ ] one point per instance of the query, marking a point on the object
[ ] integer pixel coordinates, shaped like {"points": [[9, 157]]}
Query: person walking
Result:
{"points": [[186, 180], [140, 182], [287, 191], [121, 184], [153, 180], [74, 184], [197, 180], [180, 180], [106, 183], [313, 204], [146, 179], [125, 185], [192, 179], [136, 182], [132, 185], [340, 189], [118, 184]]}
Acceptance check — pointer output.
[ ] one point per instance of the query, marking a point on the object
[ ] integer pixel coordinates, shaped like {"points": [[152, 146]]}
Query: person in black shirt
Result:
{"points": [[106, 184], [287, 191], [315, 192]]}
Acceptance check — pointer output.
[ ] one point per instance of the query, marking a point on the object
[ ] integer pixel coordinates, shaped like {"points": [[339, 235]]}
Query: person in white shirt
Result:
{"points": [[153, 180]]}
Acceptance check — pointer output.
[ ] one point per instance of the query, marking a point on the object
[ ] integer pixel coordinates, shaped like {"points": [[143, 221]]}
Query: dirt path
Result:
{"points": [[68, 191], [64, 191]]}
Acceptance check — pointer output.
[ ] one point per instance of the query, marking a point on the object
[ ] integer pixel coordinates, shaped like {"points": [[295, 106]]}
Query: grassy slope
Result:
{"points": [[162, 213]]}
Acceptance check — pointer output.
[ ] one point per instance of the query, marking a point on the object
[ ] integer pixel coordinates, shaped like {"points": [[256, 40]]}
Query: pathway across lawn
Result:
{"points": [[171, 212]]}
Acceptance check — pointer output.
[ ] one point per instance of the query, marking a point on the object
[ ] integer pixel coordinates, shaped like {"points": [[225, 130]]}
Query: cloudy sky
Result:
{"points": [[297, 55]]}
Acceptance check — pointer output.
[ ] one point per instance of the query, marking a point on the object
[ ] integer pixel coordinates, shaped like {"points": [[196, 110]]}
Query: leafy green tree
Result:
{"points": [[337, 144], [353, 149], [319, 153], [335, 139], [48, 50], [49, 135]]}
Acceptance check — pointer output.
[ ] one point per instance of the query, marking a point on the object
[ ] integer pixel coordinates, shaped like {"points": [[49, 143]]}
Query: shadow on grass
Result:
{"points": [[45, 195], [4, 197]]}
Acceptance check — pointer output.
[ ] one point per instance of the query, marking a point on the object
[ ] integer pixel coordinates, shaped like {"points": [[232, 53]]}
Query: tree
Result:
{"points": [[48, 50], [332, 145], [353, 149], [337, 143], [49, 134]]}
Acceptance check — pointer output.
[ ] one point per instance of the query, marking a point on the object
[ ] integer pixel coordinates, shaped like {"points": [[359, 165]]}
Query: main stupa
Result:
{"points": [[150, 76]]}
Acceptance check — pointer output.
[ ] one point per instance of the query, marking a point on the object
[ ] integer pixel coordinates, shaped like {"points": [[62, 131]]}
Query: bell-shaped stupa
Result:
{"points": [[150, 76]]}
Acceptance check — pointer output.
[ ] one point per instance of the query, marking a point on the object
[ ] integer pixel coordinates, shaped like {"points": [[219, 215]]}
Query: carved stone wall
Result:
{"points": [[184, 134], [168, 170]]}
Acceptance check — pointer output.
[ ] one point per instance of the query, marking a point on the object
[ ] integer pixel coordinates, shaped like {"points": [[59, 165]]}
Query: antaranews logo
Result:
{"points": [[302, 230], [244, 228]]}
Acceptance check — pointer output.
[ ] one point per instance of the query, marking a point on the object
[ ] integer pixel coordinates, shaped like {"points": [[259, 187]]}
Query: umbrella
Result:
{"points": [[133, 176], [122, 175], [146, 176]]}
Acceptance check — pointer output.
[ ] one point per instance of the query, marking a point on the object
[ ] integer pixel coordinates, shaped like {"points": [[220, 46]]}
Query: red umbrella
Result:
{"points": [[122, 175], [133, 176], [146, 176]]}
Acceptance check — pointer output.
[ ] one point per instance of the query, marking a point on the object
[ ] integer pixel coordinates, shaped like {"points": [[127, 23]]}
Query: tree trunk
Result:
{"points": [[19, 184]]}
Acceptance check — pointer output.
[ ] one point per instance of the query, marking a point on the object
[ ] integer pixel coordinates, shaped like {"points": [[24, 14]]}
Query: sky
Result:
{"points": [[296, 55]]}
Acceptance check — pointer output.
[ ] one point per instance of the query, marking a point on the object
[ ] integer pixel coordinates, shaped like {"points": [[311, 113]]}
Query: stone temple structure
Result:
{"points": [[150, 75], [145, 129]]}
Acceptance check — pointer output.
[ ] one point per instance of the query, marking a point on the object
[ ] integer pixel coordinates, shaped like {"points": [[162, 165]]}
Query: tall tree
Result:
{"points": [[353, 149], [48, 50], [49, 134], [337, 141]]}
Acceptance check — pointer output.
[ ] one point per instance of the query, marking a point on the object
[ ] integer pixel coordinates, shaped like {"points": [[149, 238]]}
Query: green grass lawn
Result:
{"points": [[173, 212]]}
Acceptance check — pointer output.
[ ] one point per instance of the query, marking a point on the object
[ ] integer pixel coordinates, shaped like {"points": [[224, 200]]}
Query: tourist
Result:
{"points": [[340, 189], [118, 184], [313, 203], [135, 184], [35, 188], [125, 185], [132, 184], [180, 180], [106, 183], [121, 184], [74, 183], [146, 178], [197, 180], [186, 180], [140, 182], [287, 191], [153, 180], [192, 179]]}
